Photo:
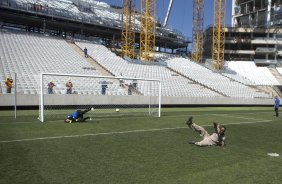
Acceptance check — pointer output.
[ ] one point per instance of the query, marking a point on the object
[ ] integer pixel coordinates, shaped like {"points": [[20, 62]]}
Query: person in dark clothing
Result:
{"points": [[85, 52], [134, 83], [130, 87], [121, 82], [104, 87], [77, 116], [51, 85]]}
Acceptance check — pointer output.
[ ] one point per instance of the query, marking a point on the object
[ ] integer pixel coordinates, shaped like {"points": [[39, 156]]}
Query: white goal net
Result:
{"points": [[105, 97]]}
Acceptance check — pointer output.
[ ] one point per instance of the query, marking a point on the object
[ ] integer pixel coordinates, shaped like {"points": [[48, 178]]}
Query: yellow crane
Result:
{"points": [[147, 29], [198, 31], [218, 34], [128, 28]]}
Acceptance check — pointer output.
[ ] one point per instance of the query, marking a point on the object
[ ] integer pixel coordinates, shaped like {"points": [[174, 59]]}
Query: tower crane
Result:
{"points": [[147, 30], [218, 34], [128, 28], [198, 31]]}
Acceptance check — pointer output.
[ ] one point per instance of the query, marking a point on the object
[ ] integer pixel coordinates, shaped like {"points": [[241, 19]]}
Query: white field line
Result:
{"points": [[122, 132], [240, 117], [37, 121]]}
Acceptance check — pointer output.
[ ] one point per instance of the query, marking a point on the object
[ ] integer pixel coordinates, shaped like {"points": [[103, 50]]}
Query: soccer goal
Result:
{"points": [[106, 97]]}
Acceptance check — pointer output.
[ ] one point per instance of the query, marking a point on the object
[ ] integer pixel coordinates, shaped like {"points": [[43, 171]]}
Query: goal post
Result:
{"points": [[105, 96]]}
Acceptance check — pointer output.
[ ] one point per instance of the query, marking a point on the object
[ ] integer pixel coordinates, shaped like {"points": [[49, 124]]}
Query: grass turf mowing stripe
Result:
{"points": [[123, 132], [225, 115]]}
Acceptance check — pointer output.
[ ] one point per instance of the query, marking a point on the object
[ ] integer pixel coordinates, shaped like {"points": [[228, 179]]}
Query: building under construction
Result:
{"points": [[255, 34]]}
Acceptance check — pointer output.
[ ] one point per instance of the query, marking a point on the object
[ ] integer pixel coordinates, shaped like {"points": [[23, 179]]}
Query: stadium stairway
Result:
{"points": [[277, 90], [276, 74], [96, 65], [269, 89], [90, 60]]}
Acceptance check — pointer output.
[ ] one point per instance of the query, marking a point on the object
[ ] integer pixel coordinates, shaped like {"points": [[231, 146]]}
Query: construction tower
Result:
{"points": [[198, 31], [147, 29], [218, 34], [128, 28]]}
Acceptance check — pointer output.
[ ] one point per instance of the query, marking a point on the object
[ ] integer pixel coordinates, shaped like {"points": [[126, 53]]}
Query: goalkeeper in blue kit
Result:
{"points": [[77, 116]]}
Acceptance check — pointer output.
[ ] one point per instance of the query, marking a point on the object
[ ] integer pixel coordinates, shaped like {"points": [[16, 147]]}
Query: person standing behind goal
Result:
{"points": [[9, 84], [69, 86], [51, 85]]}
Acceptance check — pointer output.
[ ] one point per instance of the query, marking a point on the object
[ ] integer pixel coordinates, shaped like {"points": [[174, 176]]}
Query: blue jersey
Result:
{"points": [[277, 103], [74, 115]]}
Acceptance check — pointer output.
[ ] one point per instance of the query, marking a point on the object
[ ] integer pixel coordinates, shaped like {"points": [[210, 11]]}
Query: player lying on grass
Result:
{"points": [[217, 138], [77, 116]]}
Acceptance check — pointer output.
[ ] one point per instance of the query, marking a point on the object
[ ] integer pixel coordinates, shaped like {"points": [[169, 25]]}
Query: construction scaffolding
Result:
{"points": [[198, 31], [219, 34], [147, 30], [128, 28]]}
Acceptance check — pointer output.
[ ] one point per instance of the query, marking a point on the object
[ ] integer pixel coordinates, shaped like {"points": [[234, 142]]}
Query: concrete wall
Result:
{"points": [[33, 100]]}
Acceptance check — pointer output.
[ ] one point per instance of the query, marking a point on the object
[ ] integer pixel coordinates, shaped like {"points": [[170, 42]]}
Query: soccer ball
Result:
{"points": [[117, 110], [92, 109]]}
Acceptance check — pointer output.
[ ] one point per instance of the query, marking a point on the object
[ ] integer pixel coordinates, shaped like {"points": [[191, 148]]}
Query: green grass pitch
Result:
{"points": [[121, 150]]}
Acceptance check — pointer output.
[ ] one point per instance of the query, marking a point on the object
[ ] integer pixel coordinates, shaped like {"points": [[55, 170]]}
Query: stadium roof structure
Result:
{"points": [[88, 17]]}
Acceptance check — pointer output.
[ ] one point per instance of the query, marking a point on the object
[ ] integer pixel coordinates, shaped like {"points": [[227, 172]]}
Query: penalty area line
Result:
{"points": [[122, 132]]}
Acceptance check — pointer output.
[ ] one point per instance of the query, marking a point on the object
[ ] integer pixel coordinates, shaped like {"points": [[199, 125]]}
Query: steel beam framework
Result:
{"points": [[128, 28], [147, 30], [198, 31], [219, 34]]}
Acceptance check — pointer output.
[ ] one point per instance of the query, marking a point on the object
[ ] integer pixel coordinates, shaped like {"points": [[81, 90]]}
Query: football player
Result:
{"points": [[77, 116], [217, 138]]}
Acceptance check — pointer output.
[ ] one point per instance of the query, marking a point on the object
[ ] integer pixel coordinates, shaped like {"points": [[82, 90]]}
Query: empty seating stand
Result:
{"points": [[29, 55], [213, 80], [172, 84], [249, 70]]}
